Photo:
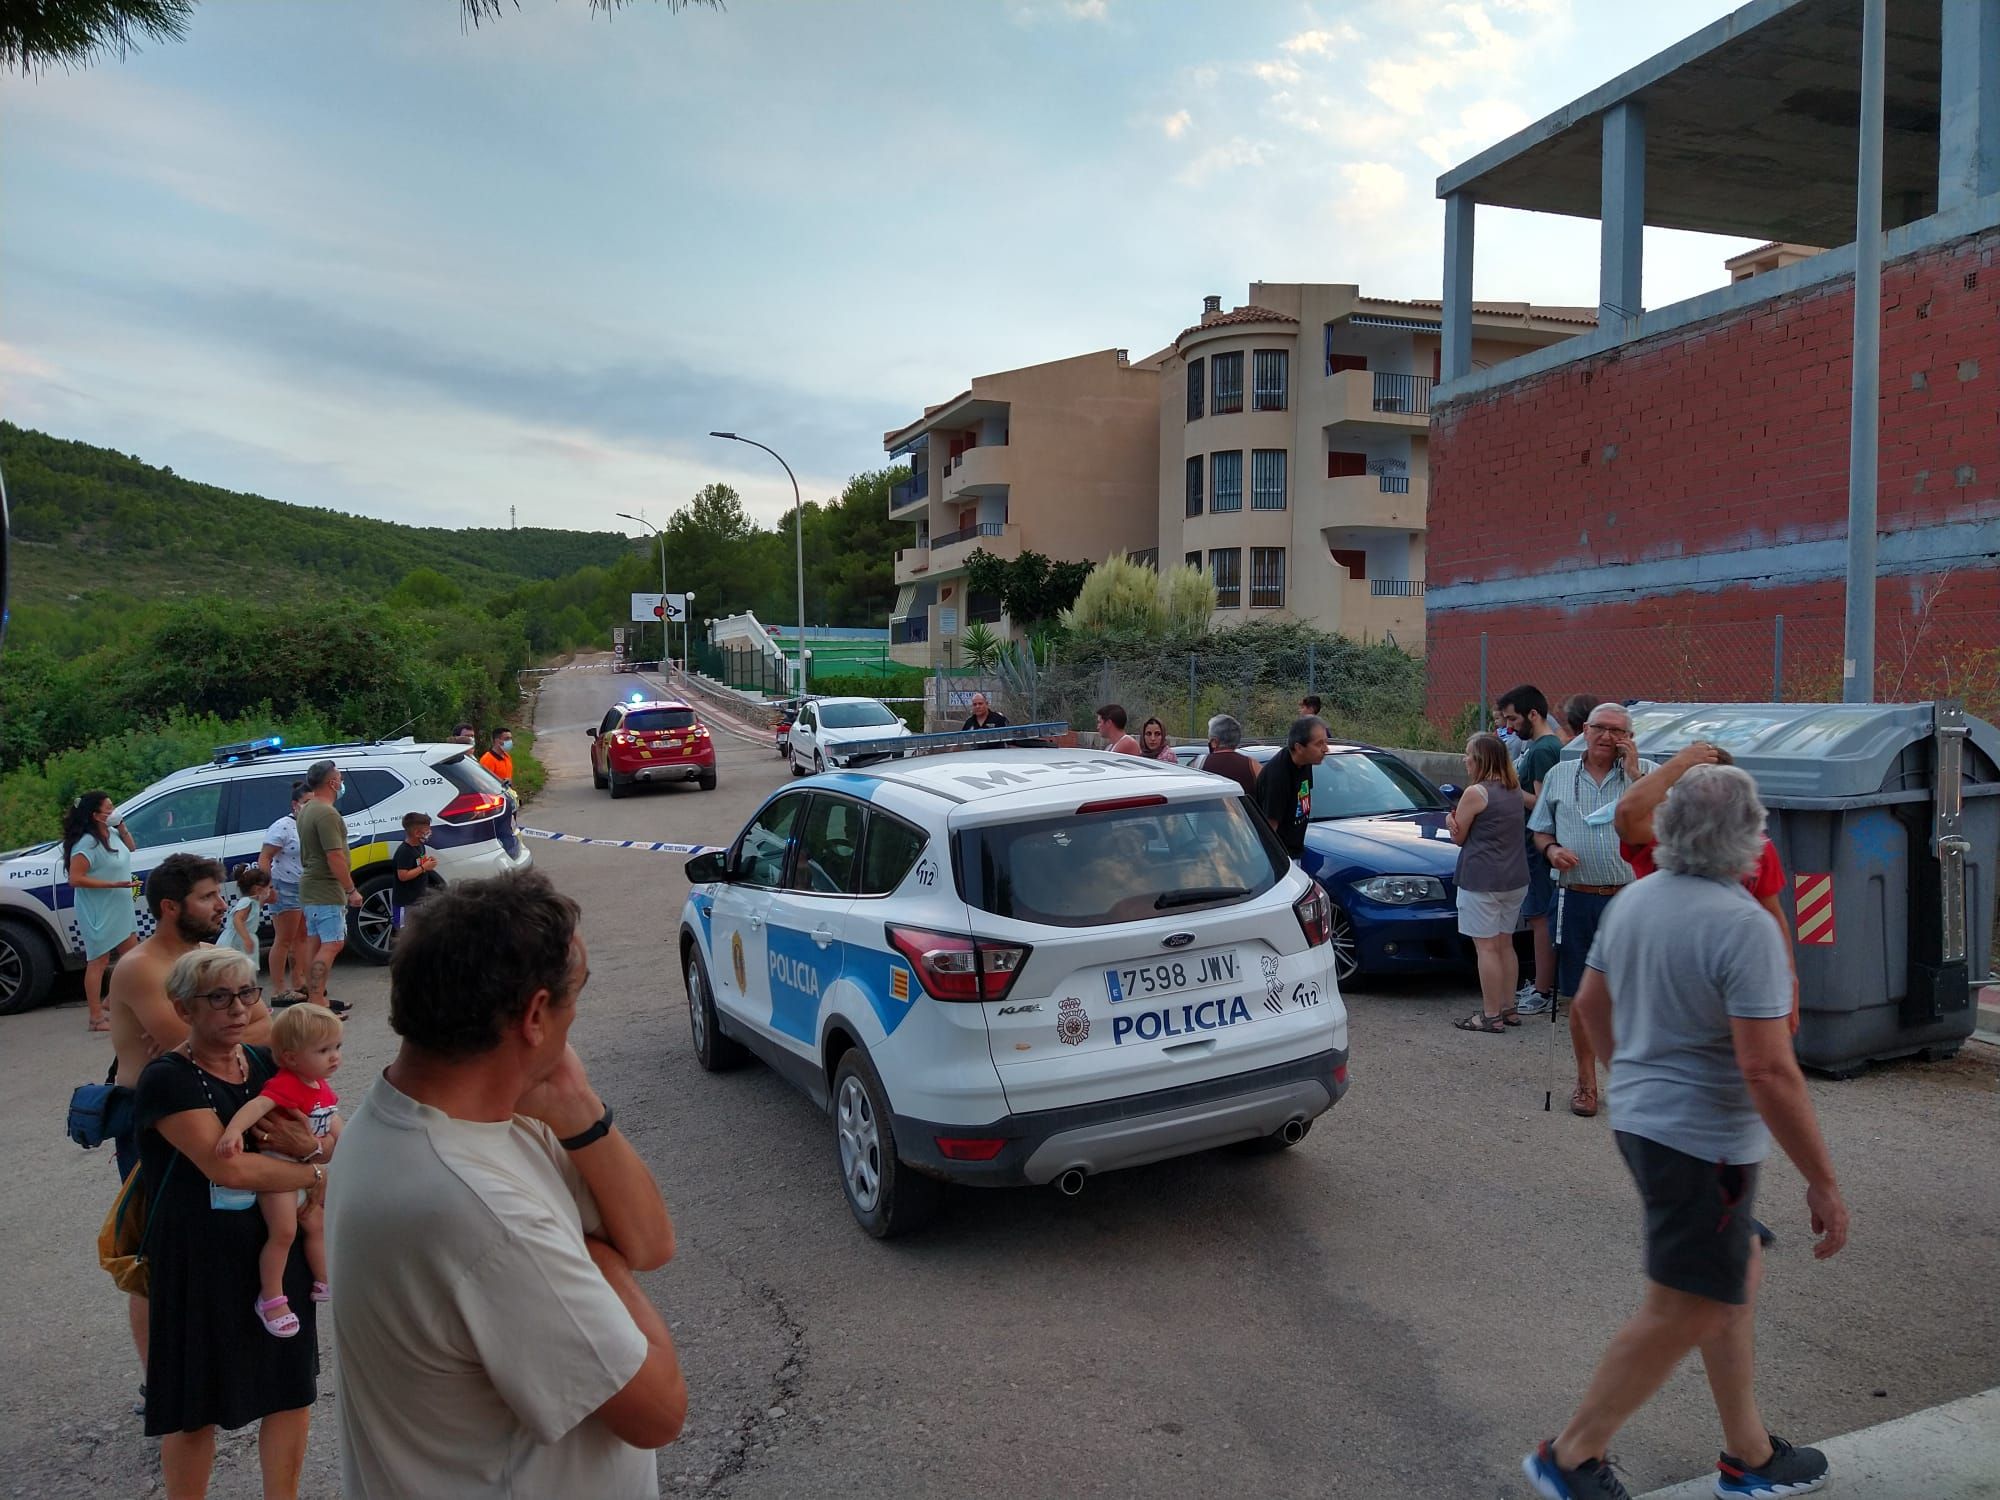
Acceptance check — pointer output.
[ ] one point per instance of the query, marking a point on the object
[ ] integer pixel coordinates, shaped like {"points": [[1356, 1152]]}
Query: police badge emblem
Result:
{"points": [[1072, 1025], [736, 960]]}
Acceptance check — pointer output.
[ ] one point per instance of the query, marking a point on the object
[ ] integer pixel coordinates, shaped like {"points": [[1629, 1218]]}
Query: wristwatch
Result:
{"points": [[591, 1136]]}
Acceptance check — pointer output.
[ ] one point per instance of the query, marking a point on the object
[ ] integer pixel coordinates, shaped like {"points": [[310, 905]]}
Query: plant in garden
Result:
{"points": [[1120, 595], [1189, 600], [981, 646]]}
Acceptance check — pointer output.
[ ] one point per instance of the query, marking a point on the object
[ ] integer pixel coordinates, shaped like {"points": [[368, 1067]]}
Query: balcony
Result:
{"points": [[1394, 502], [1382, 607], [987, 469], [1001, 538], [912, 562], [911, 631], [1379, 398], [910, 496]]}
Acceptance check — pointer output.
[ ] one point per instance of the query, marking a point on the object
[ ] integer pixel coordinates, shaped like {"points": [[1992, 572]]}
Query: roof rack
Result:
{"points": [[898, 746]]}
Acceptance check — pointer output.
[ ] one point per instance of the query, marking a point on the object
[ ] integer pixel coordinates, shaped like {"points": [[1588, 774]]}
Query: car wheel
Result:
{"points": [[1346, 952], [792, 764], [886, 1197], [27, 969], [370, 925], [707, 781], [715, 1052], [819, 764], [619, 789]]}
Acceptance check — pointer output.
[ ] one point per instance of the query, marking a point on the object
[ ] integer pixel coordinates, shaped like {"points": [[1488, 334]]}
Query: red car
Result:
{"points": [[658, 739]]}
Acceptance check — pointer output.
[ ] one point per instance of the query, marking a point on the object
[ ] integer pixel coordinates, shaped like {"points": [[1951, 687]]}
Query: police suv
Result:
{"points": [[1001, 966], [221, 811]]}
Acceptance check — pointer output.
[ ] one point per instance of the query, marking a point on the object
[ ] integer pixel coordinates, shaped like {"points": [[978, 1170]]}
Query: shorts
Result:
{"points": [[1541, 897], [1488, 914], [1698, 1219], [327, 924], [125, 1152], [285, 896], [1577, 916]]}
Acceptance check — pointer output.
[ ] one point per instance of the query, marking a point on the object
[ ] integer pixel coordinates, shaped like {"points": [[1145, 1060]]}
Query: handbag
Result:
{"points": [[127, 1230], [99, 1111]]}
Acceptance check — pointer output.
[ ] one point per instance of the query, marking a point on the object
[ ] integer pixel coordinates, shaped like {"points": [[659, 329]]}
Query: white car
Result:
{"points": [[825, 725], [221, 811], [1017, 966]]}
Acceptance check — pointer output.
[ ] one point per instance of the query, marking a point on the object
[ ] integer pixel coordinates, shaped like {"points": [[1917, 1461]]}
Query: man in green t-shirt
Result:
{"points": [[1525, 712], [326, 885]]}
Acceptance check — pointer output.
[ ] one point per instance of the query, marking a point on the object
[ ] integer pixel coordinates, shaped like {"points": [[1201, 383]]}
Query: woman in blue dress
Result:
{"points": [[98, 852]]}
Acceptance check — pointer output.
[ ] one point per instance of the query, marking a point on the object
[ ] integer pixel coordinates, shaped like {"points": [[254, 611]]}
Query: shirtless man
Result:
{"points": [[184, 894]]}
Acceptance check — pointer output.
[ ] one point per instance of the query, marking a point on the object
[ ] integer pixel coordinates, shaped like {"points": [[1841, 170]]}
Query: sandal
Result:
{"points": [[321, 1292], [1583, 1101], [1511, 1015], [281, 1326], [1480, 1021]]}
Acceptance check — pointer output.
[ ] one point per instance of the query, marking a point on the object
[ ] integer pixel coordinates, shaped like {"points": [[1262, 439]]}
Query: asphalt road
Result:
{"points": [[1396, 1307]]}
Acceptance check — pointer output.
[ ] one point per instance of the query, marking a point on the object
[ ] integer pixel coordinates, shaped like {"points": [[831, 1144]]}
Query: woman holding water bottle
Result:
{"points": [[98, 853]]}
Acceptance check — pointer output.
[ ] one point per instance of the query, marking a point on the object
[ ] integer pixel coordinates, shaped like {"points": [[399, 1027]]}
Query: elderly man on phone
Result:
{"points": [[1572, 826]]}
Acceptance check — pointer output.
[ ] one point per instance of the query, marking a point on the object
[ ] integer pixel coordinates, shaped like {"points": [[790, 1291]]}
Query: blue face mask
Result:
{"points": [[1603, 814], [506, 747]]}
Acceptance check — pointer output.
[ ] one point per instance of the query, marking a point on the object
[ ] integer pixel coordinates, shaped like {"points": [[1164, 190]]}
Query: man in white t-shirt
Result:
{"points": [[484, 1229]]}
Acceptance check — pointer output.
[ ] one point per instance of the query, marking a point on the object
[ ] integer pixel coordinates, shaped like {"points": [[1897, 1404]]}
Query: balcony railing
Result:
{"points": [[1396, 588], [1408, 394], [966, 534], [910, 632], [909, 492], [1394, 484]]}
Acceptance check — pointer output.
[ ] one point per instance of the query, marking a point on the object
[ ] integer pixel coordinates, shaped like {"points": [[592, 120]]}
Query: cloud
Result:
{"points": [[1375, 190], [1086, 10], [1276, 72], [1175, 125], [1227, 156], [1322, 41]]}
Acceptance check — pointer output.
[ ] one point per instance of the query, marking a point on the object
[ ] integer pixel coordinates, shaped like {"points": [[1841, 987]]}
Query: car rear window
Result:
{"points": [[468, 775], [642, 719], [1128, 865], [1366, 786]]}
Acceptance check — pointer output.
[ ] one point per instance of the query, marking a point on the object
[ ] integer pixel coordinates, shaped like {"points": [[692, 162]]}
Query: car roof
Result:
{"points": [[1031, 781], [293, 760], [1333, 747], [822, 701]]}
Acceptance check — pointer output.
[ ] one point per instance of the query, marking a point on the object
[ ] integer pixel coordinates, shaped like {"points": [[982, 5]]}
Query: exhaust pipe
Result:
{"points": [[1294, 1131], [1070, 1183]]}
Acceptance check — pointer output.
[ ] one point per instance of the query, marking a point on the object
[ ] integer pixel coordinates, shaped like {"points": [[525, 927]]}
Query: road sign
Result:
{"points": [[659, 606]]}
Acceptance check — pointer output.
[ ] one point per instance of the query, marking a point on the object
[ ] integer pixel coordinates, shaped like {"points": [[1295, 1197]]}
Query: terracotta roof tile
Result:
{"points": [[1241, 315]]}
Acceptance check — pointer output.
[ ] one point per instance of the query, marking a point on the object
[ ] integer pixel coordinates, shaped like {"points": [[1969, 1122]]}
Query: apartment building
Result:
{"points": [[1293, 449], [1056, 458]]}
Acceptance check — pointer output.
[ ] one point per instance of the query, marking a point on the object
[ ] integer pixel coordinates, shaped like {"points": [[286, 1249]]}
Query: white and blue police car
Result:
{"points": [[1012, 966]]}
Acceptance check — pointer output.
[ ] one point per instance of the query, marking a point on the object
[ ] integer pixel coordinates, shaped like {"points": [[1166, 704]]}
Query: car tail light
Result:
{"points": [[969, 1148], [1119, 804], [470, 807], [951, 966], [1315, 913]]}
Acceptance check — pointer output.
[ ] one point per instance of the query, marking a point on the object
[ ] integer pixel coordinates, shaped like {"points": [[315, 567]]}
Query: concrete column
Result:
{"points": [[1456, 359], [1622, 216], [1969, 100]]}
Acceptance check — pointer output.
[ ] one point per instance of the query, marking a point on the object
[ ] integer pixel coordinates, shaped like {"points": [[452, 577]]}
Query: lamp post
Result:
{"points": [[798, 537], [687, 624], [666, 652]]}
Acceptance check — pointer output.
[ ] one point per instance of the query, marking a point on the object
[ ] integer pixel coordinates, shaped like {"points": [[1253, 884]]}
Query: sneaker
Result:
{"points": [[1530, 1001], [1789, 1471], [1593, 1479]]}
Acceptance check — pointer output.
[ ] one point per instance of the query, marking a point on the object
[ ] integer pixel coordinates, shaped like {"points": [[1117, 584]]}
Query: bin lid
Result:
{"points": [[1809, 750]]}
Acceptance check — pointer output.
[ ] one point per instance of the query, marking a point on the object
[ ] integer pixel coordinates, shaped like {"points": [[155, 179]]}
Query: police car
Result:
{"points": [[1016, 966], [221, 811]]}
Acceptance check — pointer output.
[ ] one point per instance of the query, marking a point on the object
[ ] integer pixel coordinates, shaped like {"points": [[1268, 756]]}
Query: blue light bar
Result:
{"points": [[247, 750]]}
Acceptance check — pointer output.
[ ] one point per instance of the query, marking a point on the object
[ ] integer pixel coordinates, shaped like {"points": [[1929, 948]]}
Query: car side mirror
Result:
{"points": [[1452, 792], [591, 732], [708, 868]]}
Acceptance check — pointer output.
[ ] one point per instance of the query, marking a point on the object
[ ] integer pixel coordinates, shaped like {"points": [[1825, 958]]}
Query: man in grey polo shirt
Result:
{"points": [[1689, 992], [1572, 826]]}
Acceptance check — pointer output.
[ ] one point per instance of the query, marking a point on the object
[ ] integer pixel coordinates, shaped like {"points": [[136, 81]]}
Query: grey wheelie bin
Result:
{"points": [[1887, 818]]}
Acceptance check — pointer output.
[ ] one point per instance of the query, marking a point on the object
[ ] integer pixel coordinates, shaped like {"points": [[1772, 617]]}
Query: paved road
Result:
{"points": [[1394, 1308]]}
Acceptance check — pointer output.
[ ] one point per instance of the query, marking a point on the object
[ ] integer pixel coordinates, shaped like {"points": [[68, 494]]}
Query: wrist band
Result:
{"points": [[591, 1136]]}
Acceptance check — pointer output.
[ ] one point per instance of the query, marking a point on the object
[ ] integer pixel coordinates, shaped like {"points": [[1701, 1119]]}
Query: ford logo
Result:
{"points": [[1177, 940]]}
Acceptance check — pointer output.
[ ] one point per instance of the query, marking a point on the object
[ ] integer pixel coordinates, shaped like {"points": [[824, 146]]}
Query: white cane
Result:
{"points": [[1555, 1000]]}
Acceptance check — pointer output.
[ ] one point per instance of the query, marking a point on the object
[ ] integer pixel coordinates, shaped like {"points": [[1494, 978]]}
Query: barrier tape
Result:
{"points": [[640, 844]]}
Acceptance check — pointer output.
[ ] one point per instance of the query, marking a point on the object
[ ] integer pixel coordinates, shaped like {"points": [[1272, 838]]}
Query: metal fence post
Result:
{"points": [[1483, 699], [1778, 659], [1312, 667], [1191, 692]]}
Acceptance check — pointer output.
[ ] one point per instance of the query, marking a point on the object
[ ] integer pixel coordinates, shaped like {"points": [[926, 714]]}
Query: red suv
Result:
{"points": [[660, 739]]}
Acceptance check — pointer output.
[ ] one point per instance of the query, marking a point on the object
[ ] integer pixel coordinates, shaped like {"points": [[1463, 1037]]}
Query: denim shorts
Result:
{"points": [[285, 895], [327, 924]]}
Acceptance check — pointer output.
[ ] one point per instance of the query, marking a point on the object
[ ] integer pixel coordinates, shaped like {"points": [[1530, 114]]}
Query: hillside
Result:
{"points": [[90, 520]]}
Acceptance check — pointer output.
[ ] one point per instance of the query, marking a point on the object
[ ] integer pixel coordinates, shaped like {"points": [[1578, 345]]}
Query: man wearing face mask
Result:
{"points": [[500, 758]]}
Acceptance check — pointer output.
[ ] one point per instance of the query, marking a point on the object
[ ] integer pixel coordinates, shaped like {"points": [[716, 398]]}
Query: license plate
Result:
{"points": [[1170, 976]]}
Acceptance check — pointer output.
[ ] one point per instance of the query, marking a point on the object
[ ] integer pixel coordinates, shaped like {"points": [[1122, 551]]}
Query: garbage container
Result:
{"points": [[1887, 818]]}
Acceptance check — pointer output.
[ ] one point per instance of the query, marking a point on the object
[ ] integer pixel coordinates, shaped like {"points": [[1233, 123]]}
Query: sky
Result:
{"points": [[357, 256]]}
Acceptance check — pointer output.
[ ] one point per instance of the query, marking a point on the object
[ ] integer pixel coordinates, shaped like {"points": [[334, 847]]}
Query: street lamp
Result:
{"points": [[687, 624], [666, 652], [798, 537]]}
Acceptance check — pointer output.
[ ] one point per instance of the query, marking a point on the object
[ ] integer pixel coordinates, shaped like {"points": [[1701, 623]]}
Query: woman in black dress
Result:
{"points": [[211, 1362]]}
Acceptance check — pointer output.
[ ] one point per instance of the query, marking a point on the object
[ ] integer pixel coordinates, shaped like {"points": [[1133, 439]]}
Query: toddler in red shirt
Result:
{"points": [[306, 1042]]}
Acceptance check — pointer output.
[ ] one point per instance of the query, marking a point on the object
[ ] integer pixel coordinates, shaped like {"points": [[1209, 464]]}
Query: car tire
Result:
{"points": [[886, 1197], [792, 764], [619, 789], [706, 781], [1346, 950], [715, 1052], [819, 764], [370, 924], [27, 968]]}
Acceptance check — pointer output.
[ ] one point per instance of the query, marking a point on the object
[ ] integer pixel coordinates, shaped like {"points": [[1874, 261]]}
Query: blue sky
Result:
{"points": [[355, 256]]}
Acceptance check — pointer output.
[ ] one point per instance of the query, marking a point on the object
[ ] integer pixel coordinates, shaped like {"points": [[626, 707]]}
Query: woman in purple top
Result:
{"points": [[1489, 824]]}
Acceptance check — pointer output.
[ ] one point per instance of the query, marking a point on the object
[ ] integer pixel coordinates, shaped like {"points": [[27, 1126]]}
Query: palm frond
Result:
{"points": [[472, 12], [76, 33]]}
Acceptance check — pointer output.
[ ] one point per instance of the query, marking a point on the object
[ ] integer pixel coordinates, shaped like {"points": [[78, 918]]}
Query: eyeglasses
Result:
{"points": [[1615, 731], [246, 997]]}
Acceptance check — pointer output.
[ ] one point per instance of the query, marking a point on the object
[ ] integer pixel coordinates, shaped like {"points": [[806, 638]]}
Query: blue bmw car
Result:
{"points": [[1379, 845]]}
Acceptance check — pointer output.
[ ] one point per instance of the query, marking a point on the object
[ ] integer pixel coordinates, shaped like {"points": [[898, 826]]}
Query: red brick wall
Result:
{"points": [[1725, 435]]}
